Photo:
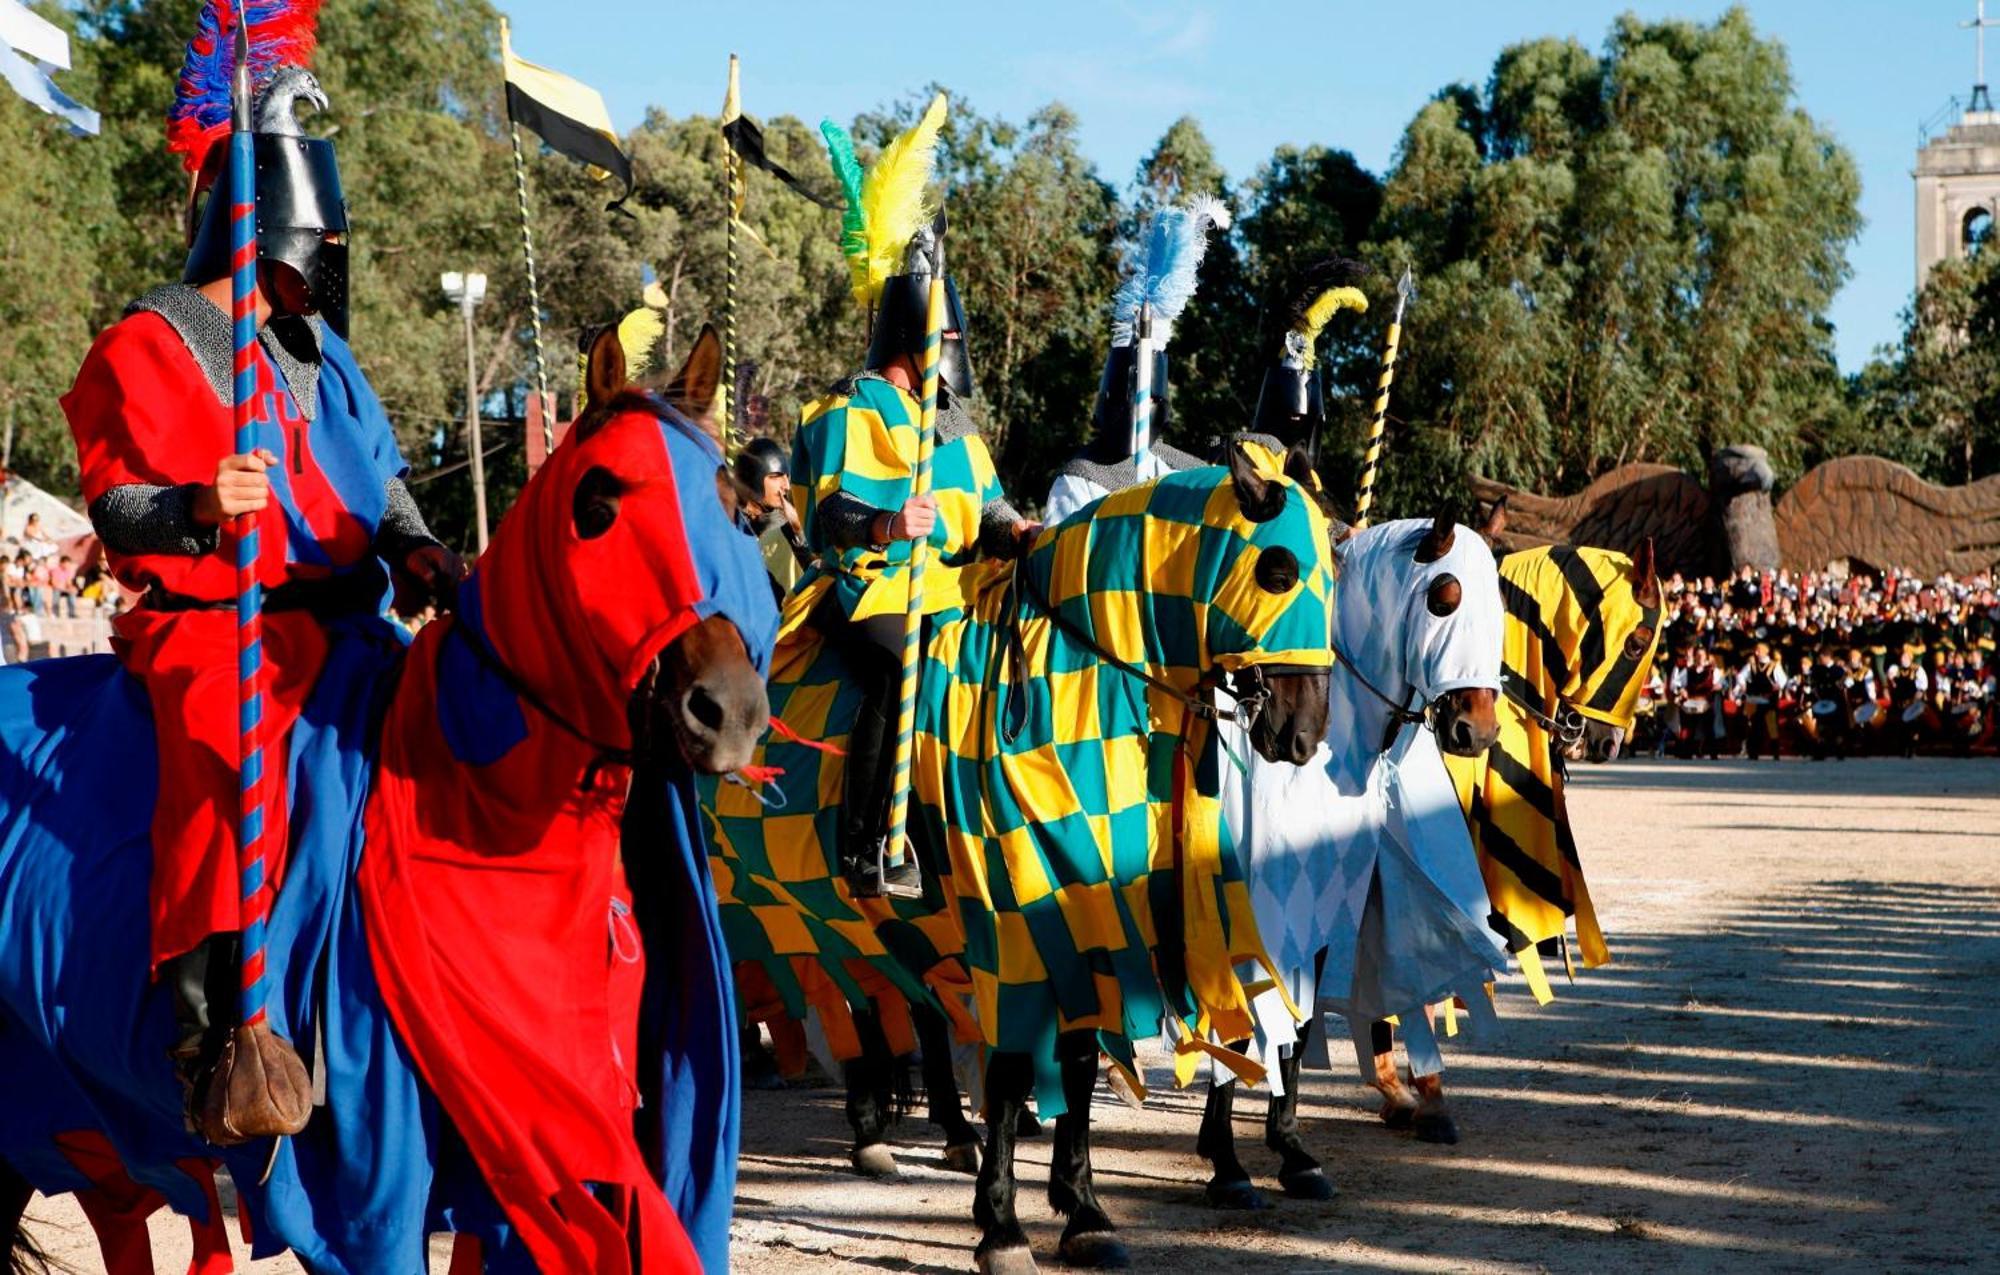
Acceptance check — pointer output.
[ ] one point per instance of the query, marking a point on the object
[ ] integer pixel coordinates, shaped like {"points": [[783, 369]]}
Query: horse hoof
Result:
{"points": [[1436, 1127], [1238, 1196], [875, 1161], [1308, 1184], [963, 1158], [1098, 1250], [1016, 1259], [1398, 1115]]}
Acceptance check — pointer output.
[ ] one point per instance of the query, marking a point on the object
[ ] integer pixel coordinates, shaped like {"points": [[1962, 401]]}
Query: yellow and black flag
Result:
{"points": [[565, 113]]}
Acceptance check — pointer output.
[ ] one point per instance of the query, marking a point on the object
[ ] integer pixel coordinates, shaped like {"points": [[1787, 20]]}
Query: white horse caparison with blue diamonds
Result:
{"points": [[1362, 874]]}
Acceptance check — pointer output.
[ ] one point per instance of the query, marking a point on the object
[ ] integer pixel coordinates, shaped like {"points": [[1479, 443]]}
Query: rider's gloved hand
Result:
{"points": [[428, 573]]}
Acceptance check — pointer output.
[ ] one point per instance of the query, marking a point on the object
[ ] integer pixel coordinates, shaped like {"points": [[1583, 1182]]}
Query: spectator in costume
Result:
{"points": [[1758, 686], [1697, 690], [152, 420]]}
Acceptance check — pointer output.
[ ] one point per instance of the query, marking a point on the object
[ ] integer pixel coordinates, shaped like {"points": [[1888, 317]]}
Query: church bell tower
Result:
{"points": [[1958, 172]]}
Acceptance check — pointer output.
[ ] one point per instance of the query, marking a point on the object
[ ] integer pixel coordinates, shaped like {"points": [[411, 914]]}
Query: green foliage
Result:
{"points": [[1623, 255], [1933, 402]]}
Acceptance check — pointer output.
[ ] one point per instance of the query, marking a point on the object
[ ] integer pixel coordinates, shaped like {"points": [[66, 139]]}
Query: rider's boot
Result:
{"points": [[241, 1082], [864, 842]]}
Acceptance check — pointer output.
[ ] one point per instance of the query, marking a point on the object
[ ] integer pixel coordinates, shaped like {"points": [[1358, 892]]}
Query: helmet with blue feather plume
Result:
{"points": [[1162, 270]]}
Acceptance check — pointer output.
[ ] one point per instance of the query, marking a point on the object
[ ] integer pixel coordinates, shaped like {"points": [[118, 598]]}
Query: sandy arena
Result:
{"points": [[1791, 1067]]}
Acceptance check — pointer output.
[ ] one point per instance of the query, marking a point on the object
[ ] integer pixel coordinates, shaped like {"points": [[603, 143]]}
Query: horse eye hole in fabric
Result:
{"points": [[1444, 596], [1277, 570], [595, 506], [1636, 644]]}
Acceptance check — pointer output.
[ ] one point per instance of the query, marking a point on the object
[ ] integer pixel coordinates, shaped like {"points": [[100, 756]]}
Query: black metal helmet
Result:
{"points": [[1111, 418], [758, 460], [301, 213], [902, 315], [1291, 405]]}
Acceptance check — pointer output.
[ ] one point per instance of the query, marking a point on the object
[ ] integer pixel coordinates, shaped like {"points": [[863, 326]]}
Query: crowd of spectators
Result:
{"points": [[1764, 663], [39, 582]]}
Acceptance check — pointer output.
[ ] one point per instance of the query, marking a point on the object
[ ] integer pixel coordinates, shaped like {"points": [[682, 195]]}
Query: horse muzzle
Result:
{"points": [[1466, 721], [1601, 742], [706, 696], [1291, 722]]}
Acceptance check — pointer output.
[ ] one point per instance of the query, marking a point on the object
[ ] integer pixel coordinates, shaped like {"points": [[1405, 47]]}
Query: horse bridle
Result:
{"points": [[1400, 714], [1565, 726], [1247, 685], [606, 754]]}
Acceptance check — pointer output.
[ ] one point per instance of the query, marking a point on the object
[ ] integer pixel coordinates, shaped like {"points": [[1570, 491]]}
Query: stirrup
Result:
{"points": [[873, 878], [257, 1088]]}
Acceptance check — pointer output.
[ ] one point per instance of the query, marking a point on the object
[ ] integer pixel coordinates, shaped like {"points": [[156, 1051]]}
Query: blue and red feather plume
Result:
{"points": [[282, 33]]}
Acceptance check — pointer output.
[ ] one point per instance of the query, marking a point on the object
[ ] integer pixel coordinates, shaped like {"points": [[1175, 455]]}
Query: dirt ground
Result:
{"points": [[1791, 1067]]}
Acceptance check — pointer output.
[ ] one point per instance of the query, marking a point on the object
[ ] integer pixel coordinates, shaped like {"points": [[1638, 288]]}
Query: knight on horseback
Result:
{"points": [[854, 459], [151, 416]]}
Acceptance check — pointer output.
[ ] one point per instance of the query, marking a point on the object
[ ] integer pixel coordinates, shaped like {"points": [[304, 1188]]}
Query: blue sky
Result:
{"points": [[1344, 73]]}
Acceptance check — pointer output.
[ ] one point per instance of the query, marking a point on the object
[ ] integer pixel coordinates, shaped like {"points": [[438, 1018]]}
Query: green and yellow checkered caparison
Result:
{"points": [[1065, 809]]}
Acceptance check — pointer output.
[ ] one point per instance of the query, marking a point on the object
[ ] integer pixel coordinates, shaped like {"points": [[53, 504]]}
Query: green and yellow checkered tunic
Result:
{"points": [[1079, 875], [1576, 635], [864, 442]]}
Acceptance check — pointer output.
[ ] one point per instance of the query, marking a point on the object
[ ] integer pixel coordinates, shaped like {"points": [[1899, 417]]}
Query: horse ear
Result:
{"points": [[1494, 524], [1299, 467], [1437, 541], [693, 389], [604, 372], [1645, 574], [1261, 498]]}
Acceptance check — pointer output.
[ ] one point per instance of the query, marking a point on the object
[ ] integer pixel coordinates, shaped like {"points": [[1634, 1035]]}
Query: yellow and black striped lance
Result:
{"points": [[913, 615], [1371, 464]]}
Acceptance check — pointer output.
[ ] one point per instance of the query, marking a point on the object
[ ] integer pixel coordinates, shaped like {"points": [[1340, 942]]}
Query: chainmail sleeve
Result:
{"points": [[142, 518], [402, 527], [996, 530], [844, 521]]}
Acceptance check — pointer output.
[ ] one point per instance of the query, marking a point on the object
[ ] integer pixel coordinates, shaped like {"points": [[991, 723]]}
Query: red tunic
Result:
{"points": [[142, 412]]}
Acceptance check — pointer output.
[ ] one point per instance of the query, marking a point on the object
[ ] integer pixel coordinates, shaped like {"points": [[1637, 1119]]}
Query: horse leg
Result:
{"points": [[1298, 1172], [961, 1140], [1230, 1187], [869, 1102], [123, 1242], [1432, 1122], [1088, 1239], [1003, 1245], [16, 1248], [1399, 1105], [760, 1065]]}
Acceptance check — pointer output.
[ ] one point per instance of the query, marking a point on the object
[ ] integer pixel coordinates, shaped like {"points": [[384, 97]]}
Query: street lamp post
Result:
{"points": [[467, 290]]}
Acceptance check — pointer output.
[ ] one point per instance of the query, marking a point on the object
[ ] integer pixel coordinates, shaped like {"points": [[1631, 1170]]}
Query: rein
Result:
{"points": [[1400, 714], [1250, 694], [1566, 727], [483, 650]]}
